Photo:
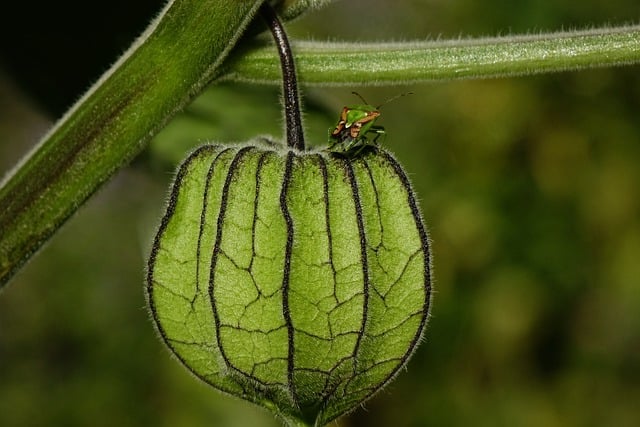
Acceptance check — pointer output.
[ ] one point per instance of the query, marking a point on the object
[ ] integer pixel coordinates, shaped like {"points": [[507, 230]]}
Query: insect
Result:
{"points": [[351, 134]]}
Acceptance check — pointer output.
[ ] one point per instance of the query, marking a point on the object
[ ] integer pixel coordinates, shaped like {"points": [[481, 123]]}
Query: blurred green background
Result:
{"points": [[530, 188]]}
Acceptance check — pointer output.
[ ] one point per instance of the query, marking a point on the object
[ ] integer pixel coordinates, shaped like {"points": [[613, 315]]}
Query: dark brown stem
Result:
{"points": [[295, 136]]}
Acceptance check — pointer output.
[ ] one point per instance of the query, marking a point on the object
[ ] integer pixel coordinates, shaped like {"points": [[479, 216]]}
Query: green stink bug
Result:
{"points": [[350, 135]]}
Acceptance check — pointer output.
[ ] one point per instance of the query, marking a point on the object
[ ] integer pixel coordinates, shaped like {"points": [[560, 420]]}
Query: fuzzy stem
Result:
{"points": [[370, 64], [295, 136]]}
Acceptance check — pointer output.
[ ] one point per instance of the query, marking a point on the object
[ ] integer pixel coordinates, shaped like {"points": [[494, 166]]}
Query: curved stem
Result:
{"points": [[295, 136]]}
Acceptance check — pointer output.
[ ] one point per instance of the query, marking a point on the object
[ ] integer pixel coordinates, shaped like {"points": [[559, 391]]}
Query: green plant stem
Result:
{"points": [[180, 53], [351, 64]]}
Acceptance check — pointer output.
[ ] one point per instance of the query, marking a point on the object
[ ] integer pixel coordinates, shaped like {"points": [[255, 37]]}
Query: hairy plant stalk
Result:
{"points": [[352, 64]]}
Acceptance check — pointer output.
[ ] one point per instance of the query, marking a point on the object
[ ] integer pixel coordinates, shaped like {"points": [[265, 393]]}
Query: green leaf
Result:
{"points": [[298, 281]]}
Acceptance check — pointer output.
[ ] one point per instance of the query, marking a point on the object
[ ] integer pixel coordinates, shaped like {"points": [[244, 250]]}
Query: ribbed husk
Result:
{"points": [[297, 280]]}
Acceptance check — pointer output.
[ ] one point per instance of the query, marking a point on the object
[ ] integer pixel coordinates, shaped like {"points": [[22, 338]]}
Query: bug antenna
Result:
{"points": [[360, 96], [393, 98]]}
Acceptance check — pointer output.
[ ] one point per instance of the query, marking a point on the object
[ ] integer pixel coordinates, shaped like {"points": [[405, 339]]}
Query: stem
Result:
{"points": [[352, 64], [295, 136], [180, 52]]}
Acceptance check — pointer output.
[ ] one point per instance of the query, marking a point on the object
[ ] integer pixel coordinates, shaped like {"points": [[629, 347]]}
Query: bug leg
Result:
{"points": [[378, 130], [360, 149]]}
